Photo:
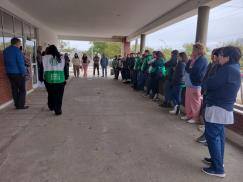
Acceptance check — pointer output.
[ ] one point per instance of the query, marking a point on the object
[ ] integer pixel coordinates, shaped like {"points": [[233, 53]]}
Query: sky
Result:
{"points": [[225, 24]]}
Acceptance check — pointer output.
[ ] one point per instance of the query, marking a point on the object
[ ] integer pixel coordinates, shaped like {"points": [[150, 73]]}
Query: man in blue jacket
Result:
{"points": [[15, 69], [104, 64]]}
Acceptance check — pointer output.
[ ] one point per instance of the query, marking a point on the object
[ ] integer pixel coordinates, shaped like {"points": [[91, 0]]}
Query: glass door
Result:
{"points": [[30, 48]]}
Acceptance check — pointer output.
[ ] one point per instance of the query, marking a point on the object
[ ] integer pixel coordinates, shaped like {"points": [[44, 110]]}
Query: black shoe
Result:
{"points": [[24, 107], [201, 140], [165, 104], [58, 113], [207, 161], [178, 110], [210, 171]]}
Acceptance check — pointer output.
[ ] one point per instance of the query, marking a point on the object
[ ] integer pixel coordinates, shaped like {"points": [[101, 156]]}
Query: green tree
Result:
{"points": [[167, 52], [65, 47], [238, 43], [188, 48], [110, 49]]}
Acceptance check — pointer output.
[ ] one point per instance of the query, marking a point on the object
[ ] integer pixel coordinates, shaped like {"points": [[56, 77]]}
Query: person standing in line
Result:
{"points": [[137, 69], [104, 63], [85, 64], [39, 59], [195, 71], [131, 68], [115, 67], [127, 70], [16, 70], [145, 69], [211, 70], [96, 65], [67, 62], [54, 76], [178, 82], [156, 75], [151, 73], [119, 68], [76, 65], [170, 66], [123, 62], [222, 89]]}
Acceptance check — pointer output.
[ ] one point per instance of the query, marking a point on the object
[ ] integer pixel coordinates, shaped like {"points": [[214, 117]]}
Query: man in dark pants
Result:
{"points": [[96, 65], [15, 68]]}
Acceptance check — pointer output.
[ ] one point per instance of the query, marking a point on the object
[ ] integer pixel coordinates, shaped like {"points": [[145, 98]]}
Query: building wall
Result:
{"points": [[44, 36], [5, 91]]}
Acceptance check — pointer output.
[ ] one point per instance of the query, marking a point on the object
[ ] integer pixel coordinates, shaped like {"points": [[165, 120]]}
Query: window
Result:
{"points": [[1, 42], [27, 31], [1, 23], [30, 50], [18, 27], [7, 39], [7, 23], [33, 33]]}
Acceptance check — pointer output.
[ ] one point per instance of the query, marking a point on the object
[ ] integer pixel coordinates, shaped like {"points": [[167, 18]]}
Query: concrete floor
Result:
{"points": [[107, 133]]}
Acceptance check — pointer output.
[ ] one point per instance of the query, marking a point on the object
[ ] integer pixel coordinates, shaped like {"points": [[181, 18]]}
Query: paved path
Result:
{"points": [[107, 133]]}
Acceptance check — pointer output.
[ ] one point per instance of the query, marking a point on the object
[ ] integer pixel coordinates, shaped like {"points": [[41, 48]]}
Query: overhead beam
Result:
{"points": [[183, 11], [96, 39]]}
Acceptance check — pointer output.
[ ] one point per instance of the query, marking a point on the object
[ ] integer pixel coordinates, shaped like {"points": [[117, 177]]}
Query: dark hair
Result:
{"points": [[52, 50], [85, 57], [76, 55], [183, 56], [15, 40], [234, 53], [175, 53], [216, 52], [147, 51], [160, 54]]}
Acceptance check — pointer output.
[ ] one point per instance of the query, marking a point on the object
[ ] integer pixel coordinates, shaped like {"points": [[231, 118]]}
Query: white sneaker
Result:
{"points": [[174, 110], [192, 121], [184, 118], [155, 97]]}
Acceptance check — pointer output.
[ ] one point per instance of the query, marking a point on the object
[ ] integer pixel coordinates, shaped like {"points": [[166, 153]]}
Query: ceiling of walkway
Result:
{"points": [[96, 18]]}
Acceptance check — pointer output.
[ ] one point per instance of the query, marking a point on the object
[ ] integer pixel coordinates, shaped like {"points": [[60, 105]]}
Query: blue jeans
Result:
{"points": [[149, 84], [142, 77], [104, 71], [215, 137], [176, 94], [167, 91]]}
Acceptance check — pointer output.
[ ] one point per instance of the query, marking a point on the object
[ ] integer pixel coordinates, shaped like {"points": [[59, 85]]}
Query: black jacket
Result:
{"points": [[170, 65], [179, 74]]}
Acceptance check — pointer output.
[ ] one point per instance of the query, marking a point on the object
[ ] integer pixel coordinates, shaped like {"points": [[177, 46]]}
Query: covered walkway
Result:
{"points": [[107, 133]]}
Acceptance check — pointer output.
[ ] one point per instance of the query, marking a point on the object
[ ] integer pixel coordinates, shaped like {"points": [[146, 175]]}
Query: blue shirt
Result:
{"points": [[188, 82], [198, 70], [104, 62], [14, 60], [223, 86]]}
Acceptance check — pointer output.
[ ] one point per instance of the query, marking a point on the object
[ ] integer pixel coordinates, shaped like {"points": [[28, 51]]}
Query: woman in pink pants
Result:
{"points": [[195, 71], [85, 64]]}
